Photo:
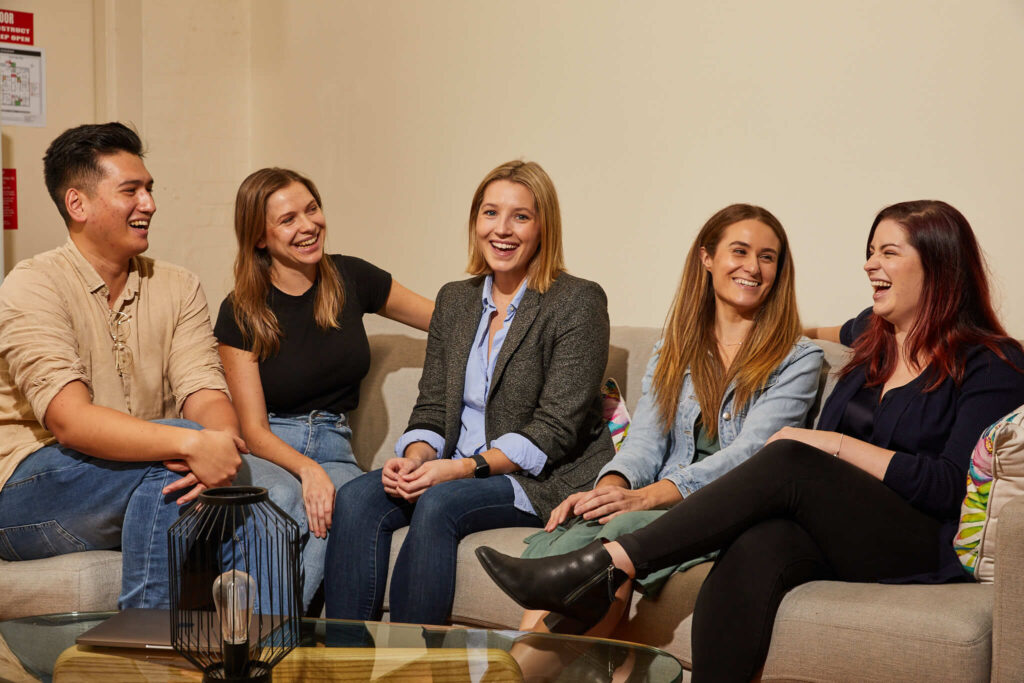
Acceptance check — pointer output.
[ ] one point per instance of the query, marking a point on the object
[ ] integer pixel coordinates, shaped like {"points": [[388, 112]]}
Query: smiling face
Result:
{"points": [[118, 209], [295, 230], [507, 231], [896, 274], [743, 266]]}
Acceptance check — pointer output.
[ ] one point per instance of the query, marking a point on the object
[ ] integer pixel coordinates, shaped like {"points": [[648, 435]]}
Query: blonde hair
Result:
{"points": [[257, 322], [548, 263], [689, 336]]}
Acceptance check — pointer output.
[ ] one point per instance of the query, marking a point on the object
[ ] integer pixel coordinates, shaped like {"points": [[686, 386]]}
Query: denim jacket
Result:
{"points": [[650, 454]]}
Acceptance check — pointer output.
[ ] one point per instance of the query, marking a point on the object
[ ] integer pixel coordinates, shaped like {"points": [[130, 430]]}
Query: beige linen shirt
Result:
{"points": [[56, 328]]}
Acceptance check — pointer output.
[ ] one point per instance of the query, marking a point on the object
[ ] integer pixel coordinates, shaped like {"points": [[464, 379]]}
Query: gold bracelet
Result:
{"points": [[841, 437]]}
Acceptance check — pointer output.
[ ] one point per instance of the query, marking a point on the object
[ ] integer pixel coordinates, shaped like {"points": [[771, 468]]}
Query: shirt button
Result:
{"points": [[727, 415]]}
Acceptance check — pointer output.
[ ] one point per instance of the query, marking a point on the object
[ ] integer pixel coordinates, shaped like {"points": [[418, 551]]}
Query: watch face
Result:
{"points": [[483, 469]]}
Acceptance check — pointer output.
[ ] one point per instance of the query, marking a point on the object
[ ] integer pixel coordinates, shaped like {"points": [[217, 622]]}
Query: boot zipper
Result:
{"points": [[590, 583]]}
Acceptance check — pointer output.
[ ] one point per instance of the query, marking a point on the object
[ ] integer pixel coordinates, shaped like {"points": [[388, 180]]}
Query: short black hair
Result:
{"points": [[72, 159]]}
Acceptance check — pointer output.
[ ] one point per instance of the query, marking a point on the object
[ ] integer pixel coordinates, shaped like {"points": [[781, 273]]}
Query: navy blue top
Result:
{"points": [[931, 433]]}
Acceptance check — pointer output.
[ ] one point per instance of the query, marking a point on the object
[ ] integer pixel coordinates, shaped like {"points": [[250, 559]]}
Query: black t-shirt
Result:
{"points": [[316, 369]]}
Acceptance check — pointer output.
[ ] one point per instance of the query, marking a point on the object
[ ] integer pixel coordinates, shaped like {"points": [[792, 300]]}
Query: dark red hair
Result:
{"points": [[956, 308]]}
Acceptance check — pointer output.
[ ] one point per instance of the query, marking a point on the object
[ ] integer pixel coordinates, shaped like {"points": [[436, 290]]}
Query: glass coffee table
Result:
{"points": [[43, 649]]}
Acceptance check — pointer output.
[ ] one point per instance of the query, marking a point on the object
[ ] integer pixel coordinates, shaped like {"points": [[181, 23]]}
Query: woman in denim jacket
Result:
{"points": [[742, 333]]}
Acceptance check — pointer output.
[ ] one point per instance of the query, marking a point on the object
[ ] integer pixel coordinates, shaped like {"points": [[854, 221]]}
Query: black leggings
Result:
{"points": [[789, 515]]}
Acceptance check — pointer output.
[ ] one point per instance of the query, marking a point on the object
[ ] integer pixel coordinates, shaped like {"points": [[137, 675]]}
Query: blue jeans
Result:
{"points": [[423, 584], [326, 438], [60, 501]]}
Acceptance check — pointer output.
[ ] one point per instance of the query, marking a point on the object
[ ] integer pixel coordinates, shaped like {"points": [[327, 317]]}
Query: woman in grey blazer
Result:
{"points": [[510, 386]]}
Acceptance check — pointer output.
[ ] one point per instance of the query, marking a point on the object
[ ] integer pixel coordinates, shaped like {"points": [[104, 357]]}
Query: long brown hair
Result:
{"points": [[956, 308], [257, 322], [548, 263], [689, 335]]}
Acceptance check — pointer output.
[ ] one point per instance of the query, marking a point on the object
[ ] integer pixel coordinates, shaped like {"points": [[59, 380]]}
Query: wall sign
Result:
{"points": [[22, 86], [16, 27], [10, 200]]}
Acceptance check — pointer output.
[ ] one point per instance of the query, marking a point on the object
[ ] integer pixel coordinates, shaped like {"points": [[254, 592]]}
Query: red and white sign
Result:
{"points": [[16, 27], [10, 200]]}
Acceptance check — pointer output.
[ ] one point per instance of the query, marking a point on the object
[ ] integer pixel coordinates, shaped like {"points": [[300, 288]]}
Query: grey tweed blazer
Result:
{"points": [[546, 383]]}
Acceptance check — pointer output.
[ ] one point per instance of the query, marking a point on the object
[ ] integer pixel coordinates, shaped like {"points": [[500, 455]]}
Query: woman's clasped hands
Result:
{"points": [[410, 477]]}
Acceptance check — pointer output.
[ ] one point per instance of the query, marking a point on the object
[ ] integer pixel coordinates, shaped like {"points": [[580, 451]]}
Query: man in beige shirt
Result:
{"points": [[102, 352]]}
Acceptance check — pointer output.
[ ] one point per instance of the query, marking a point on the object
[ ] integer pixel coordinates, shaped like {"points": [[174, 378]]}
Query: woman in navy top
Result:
{"points": [[931, 368]]}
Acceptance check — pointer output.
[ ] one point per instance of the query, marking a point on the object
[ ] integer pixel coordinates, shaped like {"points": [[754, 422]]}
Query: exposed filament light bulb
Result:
{"points": [[234, 593]]}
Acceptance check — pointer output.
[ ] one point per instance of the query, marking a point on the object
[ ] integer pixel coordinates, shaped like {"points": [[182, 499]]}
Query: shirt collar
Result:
{"points": [[488, 300], [92, 279]]}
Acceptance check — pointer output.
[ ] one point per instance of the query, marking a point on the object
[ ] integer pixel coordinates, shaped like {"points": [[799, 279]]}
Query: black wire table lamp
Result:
{"points": [[234, 584]]}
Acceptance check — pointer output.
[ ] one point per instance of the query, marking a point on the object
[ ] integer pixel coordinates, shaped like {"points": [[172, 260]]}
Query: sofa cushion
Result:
{"points": [[78, 582], [836, 356], [838, 631], [388, 392], [995, 477]]}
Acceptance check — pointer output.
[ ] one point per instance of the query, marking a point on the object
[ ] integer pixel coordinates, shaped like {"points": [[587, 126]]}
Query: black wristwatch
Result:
{"points": [[483, 469]]}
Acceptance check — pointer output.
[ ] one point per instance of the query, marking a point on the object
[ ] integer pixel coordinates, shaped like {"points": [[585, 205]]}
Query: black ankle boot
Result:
{"points": [[580, 585]]}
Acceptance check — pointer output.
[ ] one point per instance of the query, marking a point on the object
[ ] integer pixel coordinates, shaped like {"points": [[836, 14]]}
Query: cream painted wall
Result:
{"points": [[195, 90], [64, 29], [649, 116], [177, 71]]}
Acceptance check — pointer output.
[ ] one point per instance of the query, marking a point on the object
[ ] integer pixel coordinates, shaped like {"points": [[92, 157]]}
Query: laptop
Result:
{"points": [[150, 629], [134, 628]]}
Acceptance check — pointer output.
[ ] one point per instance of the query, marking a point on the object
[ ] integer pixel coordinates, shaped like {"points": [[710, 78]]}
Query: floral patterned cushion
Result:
{"points": [[995, 476], [615, 413]]}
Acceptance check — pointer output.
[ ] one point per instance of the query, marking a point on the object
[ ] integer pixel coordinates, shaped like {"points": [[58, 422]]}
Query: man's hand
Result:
{"points": [[212, 456], [413, 484], [191, 480], [318, 496]]}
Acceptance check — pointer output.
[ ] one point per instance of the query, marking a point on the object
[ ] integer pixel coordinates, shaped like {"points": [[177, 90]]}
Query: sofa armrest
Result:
{"points": [[1008, 607]]}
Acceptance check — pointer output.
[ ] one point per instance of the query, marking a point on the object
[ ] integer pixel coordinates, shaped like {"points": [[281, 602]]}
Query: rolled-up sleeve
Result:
{"points": [[522, 452], [37, 340], [432, 439], [193, 363]]}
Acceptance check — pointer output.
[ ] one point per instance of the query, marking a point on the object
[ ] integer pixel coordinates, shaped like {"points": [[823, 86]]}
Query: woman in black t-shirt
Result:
{"points": [[292, 342]]}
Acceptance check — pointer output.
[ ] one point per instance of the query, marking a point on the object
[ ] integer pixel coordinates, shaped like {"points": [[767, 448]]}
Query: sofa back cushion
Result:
{"points": [[389, 390]]}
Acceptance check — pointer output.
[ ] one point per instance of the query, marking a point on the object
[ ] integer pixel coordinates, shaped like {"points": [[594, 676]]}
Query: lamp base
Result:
{"points": [[256, 672]]}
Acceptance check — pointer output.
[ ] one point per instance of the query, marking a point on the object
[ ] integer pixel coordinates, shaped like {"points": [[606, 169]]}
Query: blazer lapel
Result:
{"points": [[525, 315], [461, 340]]}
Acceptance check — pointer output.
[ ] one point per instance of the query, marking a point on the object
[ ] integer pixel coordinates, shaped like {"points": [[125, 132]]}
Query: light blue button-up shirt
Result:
{"points": [[479, 372]]}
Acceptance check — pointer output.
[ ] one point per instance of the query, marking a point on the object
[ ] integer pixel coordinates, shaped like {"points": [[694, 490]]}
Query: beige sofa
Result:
{"points": [[825, 631]]}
